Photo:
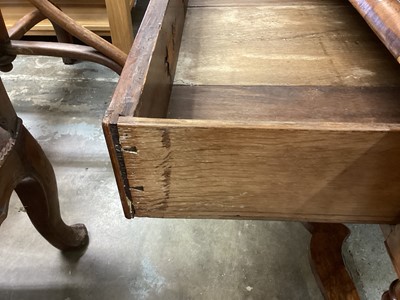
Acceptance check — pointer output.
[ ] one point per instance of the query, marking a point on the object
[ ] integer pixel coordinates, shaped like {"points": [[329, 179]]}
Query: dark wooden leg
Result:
{"points": [[25, 168], [393, 293], [26, 23], [38, 193], [327, 261], [60, 50], [64, 37], [391, 234], [113, 57], [5, 60], [91, 39]]}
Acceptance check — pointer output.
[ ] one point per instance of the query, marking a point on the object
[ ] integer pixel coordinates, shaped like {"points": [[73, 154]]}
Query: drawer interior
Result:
{"points": [[289, 61], [260, 109]]}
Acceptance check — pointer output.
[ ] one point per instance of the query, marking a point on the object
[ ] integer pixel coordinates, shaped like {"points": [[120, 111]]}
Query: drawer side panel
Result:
{"points": [[268, 173]]}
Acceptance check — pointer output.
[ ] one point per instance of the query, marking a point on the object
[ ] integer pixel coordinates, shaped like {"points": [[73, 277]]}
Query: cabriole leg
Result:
{"points": [[38, 193], [327, 261]]}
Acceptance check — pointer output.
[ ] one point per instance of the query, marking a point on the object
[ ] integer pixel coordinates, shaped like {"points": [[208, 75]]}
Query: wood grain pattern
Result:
{"points": [[120, 20], [286, 103], [241, 3], [154, 98], [257, 168], [383, 17], [146, 81], [323, 44], [257, 140], [327, 261], [282, 171], [91, 14]]}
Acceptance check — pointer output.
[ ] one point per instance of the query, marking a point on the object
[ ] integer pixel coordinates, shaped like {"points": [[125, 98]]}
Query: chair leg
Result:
{"points": [[64, 37], [38, 193], [82, 33], [394, 291], [327, 261], [391, 234]]}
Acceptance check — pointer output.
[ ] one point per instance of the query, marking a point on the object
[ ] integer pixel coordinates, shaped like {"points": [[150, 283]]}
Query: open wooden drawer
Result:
{"points": [[273, 110]]}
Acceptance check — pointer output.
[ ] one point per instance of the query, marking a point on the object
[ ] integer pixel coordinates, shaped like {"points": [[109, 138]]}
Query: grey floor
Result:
{"points": [[145, 258]]}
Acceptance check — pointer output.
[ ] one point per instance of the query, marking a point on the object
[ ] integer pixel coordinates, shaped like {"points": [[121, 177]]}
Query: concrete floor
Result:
{"points": [[145, 258]]}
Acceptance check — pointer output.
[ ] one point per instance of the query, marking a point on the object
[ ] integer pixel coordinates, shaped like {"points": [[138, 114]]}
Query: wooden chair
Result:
{"points": [[104, 17], [65, 27], [23, 164]]}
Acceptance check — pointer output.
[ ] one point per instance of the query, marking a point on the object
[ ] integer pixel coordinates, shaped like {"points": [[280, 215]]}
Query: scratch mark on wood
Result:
{"points": [[167, 170]]}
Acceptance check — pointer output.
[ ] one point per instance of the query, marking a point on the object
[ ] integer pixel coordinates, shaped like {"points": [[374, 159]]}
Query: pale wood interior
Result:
{"points": [[270, 60], [280, 110], [219, 169]]}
